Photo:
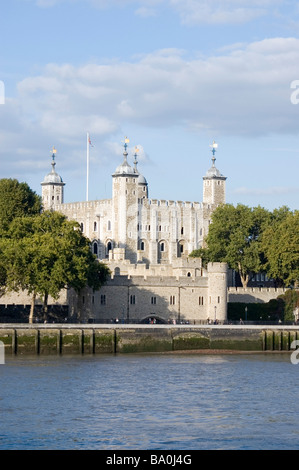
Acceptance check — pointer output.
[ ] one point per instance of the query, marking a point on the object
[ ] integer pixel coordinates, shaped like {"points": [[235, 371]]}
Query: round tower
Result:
{"points": [[52, 187], [142, 183], [217, 292], [214, 183], [125, 207]]}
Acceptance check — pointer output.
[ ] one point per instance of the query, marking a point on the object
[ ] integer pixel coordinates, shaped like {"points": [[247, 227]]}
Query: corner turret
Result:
{"points": [[52, 187], [214, 183]]}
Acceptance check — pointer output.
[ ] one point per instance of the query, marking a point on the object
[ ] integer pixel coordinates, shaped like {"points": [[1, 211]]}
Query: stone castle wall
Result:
{"points": [[253, 294], [167, 298], [160, 230]]}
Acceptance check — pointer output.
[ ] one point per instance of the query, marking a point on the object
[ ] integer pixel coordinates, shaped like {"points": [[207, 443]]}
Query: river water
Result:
{"points": [[145, 402]]}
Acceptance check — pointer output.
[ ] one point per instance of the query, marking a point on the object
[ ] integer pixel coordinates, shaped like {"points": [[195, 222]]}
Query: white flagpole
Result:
{"points": [[87, 166]]}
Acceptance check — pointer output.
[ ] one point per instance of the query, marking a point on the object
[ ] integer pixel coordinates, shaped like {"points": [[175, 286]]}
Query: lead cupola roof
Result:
{"points": [[53, 177], [124, 168]]}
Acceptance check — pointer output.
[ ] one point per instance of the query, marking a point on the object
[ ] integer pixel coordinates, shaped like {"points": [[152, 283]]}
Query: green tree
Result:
{"points": [[235, 238], [47, 253], [280, 242], [16, 200]]}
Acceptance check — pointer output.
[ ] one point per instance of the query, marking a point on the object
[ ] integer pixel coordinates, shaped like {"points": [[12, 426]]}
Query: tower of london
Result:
{"points": [[146, 242], [131, 225]]}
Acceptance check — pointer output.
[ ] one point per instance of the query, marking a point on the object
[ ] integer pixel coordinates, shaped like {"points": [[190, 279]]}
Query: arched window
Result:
{"points": [[109, 248], [81, 227], [180, 248], [95, 226], [95, 248]]}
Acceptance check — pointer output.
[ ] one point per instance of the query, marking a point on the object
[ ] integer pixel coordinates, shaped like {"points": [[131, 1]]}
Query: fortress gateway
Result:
{"points": [[146, 242]]}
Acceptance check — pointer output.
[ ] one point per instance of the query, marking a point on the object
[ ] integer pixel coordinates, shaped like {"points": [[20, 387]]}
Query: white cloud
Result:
{"points": [[242, 91], [191, 11], [219, 11], [145, 12]]}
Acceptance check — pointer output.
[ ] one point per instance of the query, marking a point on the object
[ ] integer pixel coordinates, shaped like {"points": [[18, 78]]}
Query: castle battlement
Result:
{"points": [[157, 281], [170, 203], [263, 290], [67, 206], [145, 243]]}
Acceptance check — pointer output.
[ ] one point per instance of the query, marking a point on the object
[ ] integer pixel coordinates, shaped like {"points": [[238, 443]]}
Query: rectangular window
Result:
{"points": [[153, 300], [132, 299], [172, 300], [103, 299]]}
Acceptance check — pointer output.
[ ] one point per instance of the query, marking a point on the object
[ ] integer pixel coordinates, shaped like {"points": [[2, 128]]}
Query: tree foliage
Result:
{"points": [[16, 200], [280, 243], [47, 253], [251, 240], [290, 300], [234, 237]]}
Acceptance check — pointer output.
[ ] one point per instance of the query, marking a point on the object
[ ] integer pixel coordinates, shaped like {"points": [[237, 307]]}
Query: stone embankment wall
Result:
{"points": [[110, 339]]}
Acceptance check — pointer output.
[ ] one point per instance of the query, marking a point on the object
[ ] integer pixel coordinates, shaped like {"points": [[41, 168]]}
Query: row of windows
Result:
{"points": [[219, 182], [147, 228], [53, 198], [172, 300], [153, 300], [95, 226], [140, 227]]}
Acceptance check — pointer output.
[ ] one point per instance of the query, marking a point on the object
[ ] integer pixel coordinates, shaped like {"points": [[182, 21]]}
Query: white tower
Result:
{"points": [[125, 207], [52, 187], [214, 183]]}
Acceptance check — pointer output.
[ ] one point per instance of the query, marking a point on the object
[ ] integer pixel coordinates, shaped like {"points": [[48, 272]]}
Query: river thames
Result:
{"points": [[146, 402]]}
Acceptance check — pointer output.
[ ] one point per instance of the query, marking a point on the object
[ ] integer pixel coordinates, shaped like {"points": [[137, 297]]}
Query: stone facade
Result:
{"points": [[174, 296], [149, 231], [146, 242]]}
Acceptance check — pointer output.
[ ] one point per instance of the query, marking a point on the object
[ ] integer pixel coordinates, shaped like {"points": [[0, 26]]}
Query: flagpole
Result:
{"points": [[87, 165]]}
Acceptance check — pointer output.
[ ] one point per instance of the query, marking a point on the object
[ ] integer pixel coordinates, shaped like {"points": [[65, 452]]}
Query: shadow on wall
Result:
{"points": [[246, 298]]}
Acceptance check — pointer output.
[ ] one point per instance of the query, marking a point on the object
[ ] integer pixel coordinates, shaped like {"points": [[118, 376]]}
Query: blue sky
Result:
{"points": [[172, 75]]}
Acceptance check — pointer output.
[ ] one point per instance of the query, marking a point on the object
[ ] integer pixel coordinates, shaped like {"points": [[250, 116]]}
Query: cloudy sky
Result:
{"points": [[172, 75]]}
